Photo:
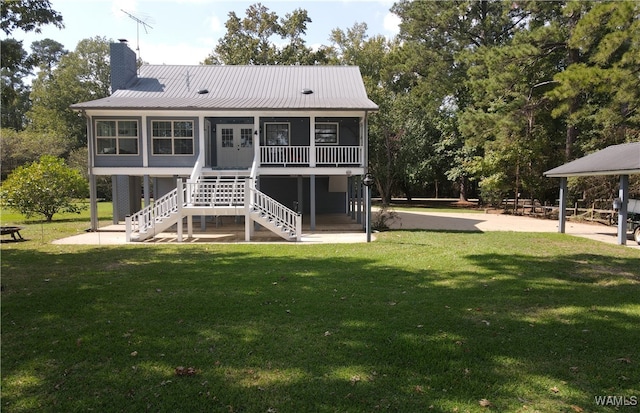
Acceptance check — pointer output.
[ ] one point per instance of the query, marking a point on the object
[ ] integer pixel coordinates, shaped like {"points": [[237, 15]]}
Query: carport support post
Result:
{"points": [[622, 212], [562, 213]]}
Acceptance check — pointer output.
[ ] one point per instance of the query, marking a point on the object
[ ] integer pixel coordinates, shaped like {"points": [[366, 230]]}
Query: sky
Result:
{"points": [[186, 31]]}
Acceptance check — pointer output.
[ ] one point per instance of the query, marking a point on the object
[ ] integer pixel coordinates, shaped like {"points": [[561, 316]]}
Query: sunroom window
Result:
{"points": [[172, 137], [277, 134], [326, 133], [117, 137]]}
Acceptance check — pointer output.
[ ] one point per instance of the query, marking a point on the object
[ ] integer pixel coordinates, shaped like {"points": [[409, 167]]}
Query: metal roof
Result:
{"points": [[621, 159], [240, 88]]}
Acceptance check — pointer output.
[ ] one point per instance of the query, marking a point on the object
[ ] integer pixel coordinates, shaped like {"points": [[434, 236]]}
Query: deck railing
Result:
{"points": [[284, 155], [301, 155], [220, 192], [339, 155]]}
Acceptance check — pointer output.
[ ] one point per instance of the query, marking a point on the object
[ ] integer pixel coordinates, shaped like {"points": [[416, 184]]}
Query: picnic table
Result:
{"points": [[13, 231]]}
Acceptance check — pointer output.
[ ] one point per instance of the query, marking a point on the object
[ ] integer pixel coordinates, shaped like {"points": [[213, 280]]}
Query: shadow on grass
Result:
{"points": [[292, 329]]}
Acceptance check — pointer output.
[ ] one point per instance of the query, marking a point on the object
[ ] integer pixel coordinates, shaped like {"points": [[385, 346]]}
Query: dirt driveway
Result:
{"points": [[466, 221]]}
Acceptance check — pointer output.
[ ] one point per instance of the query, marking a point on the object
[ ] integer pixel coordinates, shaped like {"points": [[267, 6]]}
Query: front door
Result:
{"points": [[235, 146]]}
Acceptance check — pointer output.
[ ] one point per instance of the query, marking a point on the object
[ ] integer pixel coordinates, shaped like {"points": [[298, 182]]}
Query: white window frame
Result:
{"points": [[173, 137], [117, 137], [266, 138], [315, 137]]}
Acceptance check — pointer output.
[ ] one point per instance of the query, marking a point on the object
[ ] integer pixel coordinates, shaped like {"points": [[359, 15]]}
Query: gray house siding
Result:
{"points": [[299, 132], [175, 160], [113, 160], [349, 130], [285, 191]]}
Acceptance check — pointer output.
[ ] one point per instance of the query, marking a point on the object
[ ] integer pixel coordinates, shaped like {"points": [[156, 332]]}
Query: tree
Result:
{"points": [[22, 147], [43, 188], [80, 76], [249, 41], [436, 37], [28, 15], [15, 94], [605, 83], [45, 54]]}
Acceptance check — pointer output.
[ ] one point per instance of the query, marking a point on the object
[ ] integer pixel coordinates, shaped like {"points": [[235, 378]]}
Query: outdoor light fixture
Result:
{"points": [[307, 91], [367, 181]]}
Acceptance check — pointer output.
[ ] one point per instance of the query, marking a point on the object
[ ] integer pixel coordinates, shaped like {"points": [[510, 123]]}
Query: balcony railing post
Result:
{"points": [[127, 222], [179, 201]]}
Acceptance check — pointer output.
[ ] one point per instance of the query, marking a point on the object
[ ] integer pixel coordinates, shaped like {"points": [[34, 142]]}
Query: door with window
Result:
{"points": [[234, 146]]}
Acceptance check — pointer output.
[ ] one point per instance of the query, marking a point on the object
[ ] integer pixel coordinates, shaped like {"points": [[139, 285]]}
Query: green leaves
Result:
{"points": [[43, 188]]}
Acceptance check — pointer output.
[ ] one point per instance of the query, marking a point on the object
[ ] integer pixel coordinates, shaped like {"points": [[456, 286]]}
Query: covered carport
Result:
{"points": [[622, 160]]}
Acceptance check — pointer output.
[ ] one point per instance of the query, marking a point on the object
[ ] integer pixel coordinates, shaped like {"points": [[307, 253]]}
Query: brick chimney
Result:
{"points": [[124, 66]]}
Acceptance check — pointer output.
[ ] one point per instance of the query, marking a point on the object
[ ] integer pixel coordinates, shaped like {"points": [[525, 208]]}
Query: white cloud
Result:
{"points": [[215, 24], [391, 23]]}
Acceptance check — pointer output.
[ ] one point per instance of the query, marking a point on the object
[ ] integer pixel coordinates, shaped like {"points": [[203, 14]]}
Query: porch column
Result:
{"points": [[312, 201], [247, 209], [312, 141], [93, 188], [300, 194], [256, 142], [562, 213], [115, 198], [147, 190], [622, 212], [93, 201], [359, 200]]}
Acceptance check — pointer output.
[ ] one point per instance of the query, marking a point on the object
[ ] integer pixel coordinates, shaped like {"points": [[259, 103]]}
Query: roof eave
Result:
{"points": [[551, 174]]}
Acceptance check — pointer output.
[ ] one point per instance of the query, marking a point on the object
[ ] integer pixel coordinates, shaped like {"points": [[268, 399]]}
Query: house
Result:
{"points": [[267, 143]]}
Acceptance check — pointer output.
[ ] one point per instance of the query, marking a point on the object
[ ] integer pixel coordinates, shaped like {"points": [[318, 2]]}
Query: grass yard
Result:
{"points": [[414, 322]]}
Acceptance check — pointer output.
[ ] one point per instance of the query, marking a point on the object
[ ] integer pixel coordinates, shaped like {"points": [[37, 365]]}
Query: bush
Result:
{"points": [[43, 188]]}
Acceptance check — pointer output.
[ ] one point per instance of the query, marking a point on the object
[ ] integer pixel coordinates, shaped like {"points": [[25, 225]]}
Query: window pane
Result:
{"points": [[183, 129], [106, 146], [162, 146], [277, 134], [227, 138], [246, 138], [183, 146], [127, 128], [128, 146], [106, 128], [326, 133], [161, 129]]}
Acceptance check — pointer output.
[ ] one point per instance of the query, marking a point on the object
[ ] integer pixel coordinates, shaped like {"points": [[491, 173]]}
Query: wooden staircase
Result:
{"points": [[217, 195]]}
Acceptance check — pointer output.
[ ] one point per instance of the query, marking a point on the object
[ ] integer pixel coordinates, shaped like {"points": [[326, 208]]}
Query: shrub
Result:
{"points": [[43, 188]]}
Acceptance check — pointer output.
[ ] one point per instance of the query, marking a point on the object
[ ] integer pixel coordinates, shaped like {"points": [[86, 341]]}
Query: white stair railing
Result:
{"points": [[144, 221], [271, 211]]}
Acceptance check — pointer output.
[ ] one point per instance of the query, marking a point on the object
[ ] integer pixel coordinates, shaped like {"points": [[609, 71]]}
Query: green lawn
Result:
{"points": [[414, 322]]}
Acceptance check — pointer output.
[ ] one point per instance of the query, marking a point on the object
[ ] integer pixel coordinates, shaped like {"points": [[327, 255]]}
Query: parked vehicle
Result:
{"points": [[633, 217]]}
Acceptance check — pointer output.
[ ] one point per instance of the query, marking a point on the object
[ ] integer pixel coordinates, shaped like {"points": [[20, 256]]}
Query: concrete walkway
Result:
{"points": [[350, 233]]}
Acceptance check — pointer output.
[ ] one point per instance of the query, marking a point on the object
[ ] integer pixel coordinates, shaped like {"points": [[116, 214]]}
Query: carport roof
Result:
{"points": [[621, 159]]}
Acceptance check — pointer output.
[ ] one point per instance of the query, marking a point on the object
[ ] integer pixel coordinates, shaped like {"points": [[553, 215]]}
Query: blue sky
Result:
{"points": [[186, 31]]}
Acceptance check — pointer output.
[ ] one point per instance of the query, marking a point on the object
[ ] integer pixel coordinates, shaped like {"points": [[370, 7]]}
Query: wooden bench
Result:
{"points": [[13, 231]]}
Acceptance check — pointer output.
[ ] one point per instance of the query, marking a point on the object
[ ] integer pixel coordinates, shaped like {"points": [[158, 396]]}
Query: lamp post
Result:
{"points": [[367, 181]]}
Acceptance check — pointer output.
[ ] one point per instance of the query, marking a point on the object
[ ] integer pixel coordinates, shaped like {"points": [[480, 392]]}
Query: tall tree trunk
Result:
{"points": [[464, 196], [573, 56]]}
